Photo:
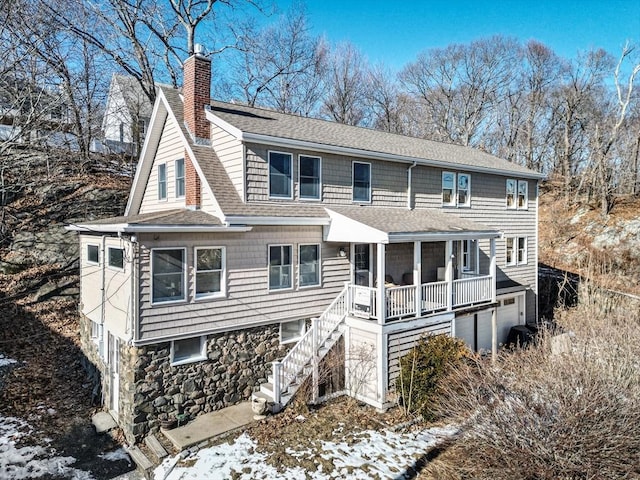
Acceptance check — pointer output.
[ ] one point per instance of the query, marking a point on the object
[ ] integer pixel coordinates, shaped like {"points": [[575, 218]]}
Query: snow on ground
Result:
{"points": [[373, 455], [4, 361]]}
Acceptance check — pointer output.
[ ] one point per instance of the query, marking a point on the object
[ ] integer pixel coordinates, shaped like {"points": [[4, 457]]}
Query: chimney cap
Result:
{"points": [[198, 49]]}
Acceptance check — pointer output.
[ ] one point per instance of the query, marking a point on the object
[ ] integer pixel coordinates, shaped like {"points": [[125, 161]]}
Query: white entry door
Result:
{"points": [[113, 365]]}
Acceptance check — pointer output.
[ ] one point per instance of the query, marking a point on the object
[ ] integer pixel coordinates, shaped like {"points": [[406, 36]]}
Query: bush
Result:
{"points": [[567, 414], [423, 369]]}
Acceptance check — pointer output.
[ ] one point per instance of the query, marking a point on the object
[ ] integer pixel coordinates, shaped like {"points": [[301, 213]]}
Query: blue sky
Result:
{"points": [[394, 32]]}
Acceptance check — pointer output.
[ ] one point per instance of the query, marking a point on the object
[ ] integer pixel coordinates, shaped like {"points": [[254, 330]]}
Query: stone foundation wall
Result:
{"points": [[92, 363], [236, 362]]}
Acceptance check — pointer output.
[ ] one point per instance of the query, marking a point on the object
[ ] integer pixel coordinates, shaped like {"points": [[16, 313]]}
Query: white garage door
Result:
{"points": [[475, 329]]}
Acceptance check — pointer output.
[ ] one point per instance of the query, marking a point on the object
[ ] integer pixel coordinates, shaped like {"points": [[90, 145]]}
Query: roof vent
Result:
{"points": [[198, 49]]}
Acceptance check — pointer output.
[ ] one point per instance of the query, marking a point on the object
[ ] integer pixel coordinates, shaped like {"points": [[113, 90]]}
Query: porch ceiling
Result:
{"points": [[363, 224]]}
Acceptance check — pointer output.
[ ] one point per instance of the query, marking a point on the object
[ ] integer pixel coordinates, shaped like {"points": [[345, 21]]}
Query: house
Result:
{"points": [[126, 116], [253, 242]]}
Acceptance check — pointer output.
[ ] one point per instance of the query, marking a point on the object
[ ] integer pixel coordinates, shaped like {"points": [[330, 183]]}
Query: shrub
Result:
{"points": [[543, 415], [423, 369]]}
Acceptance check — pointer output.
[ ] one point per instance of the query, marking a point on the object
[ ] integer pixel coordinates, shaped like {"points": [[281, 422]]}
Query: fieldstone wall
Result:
{"points": [[91, 362], [236, 362]]}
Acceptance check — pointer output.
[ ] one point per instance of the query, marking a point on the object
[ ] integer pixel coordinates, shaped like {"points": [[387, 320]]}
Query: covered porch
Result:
{"points": [[430, 262]]}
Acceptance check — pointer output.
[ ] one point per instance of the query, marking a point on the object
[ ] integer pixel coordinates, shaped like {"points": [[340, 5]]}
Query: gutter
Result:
{"points": [[133, 228]]}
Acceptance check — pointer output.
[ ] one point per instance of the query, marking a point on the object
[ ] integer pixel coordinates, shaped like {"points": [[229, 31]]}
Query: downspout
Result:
{"points": [[103, 293], [135, 280], [409, 184]]}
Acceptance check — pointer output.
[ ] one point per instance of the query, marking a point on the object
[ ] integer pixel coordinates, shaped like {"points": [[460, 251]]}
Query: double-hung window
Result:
{"points": [[279, 267], [209, 263], [516, 250], [517, 194], [456, 189], [179, 166], [309, 177], [309, 265], [280, 179], [361, 182], [469, 256], [168, 267], [162, 181]]}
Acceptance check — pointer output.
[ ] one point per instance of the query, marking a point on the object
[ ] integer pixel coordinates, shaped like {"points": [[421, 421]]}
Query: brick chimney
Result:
{"points": [[196, 91]]}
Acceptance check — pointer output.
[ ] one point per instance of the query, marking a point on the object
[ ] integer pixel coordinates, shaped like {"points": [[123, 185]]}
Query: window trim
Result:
{"points": [[223, 274], [468, 202], [199, 358], [353, 181], [91, 262], [526, 195], [301, 332], [177, 178], [115, 267], [472, 255], [454, 193], [163, 182], [515, 249], [184, 277], [291, 264], [305, 198], [319, 260], [279, 197]]}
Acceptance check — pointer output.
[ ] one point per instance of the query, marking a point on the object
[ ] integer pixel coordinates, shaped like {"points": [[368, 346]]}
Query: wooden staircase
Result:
{"points": [[302, 360]]}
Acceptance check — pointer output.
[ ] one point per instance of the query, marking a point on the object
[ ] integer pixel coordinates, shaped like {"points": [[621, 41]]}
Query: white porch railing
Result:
{"points": [[401, 301], [286, 371]]}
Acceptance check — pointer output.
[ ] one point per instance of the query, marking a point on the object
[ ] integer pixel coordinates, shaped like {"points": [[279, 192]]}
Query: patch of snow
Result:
{"points": [[4, 361], [18, 463], [116, 455], [374, 454]]}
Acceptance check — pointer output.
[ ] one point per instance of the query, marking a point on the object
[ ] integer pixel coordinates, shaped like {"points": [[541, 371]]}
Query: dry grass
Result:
{"points": [[538, 415]]}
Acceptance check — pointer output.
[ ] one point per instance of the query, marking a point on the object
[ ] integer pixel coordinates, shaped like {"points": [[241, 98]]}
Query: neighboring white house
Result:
{"points": [[254, 242], [126, 116]]}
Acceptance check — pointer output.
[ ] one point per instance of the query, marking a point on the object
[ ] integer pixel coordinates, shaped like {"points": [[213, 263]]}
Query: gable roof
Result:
{"points": [[267, 126]]}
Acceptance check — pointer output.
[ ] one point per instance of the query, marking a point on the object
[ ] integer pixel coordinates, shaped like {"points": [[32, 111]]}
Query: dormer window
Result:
{"points": [[280, 179]]}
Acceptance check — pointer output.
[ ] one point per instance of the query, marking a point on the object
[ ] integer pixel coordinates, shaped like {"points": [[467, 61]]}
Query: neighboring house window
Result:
{"points": [[162, 181], [469, 255], [142, 127], [209, 271], [291, 331], [180, 178], [280, 179], [168, 274], [516, 250], [309, 177], [517, 194], [188, 350], [279, 267], [523, 193], [309, 269], [361, 182], [116, 257], [93, 254], [121, 132], [456, 189]]}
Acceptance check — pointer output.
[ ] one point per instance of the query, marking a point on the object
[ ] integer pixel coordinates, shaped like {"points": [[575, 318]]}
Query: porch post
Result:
{"points": [[417, 275], [492, 269], [448, 251], [382, 304]]}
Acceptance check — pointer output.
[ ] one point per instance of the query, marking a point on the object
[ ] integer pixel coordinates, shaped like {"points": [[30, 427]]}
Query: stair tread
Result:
{"points": [[140, 458], [155, 446]]}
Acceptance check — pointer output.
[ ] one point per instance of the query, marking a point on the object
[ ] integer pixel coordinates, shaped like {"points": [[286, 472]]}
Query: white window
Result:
{"points": [[523, 194], [309, 169], [309, 265], [469, 256], [456, 189], [517, 194], [291, 331], [279, 267], [115, 257], [93, 254], [188, 350], [516, 250], [210, 264], [179, 178], [162, 181], [361, 182], [168, 275], [280, 179]]}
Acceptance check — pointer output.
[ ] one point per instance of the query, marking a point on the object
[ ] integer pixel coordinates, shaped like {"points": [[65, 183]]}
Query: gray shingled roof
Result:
{"points": [[178, 217], [402, 220], [331, 134]]}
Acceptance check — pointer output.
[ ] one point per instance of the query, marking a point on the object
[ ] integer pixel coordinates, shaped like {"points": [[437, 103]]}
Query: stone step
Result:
{"points": [[103, 421], [140, 459], [155, 447]]}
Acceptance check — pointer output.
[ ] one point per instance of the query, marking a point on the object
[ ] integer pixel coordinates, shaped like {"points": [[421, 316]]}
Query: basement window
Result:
{"points": [[188, 350], [292, 331]]}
